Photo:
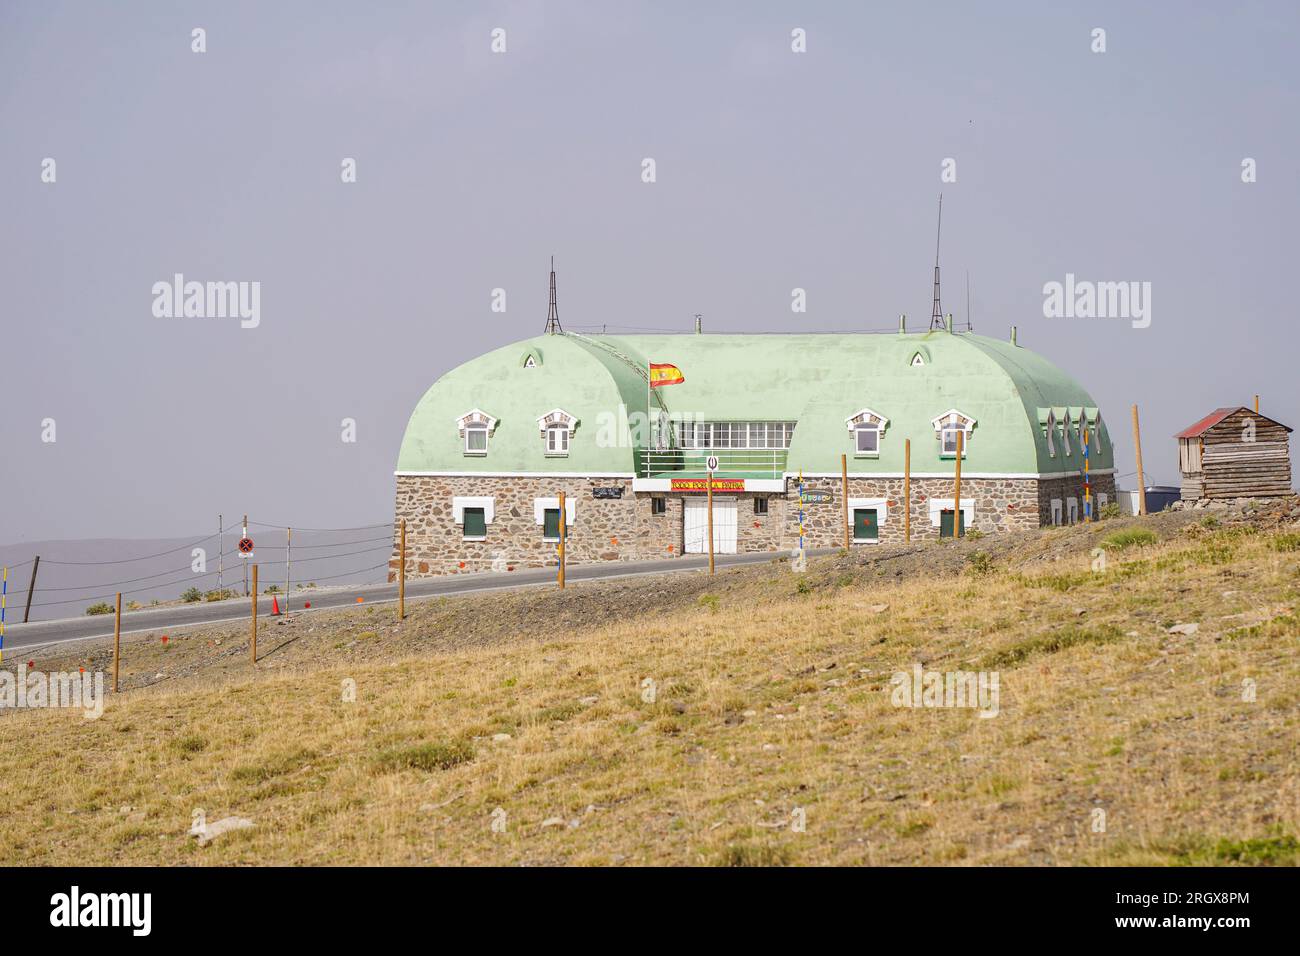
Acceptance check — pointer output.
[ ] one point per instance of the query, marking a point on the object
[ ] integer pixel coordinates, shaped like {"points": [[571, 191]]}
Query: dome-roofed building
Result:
{"points": [[493, 442]]}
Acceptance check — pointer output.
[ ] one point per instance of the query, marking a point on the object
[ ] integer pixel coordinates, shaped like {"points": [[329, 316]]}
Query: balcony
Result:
{"points": [[692, 462]]}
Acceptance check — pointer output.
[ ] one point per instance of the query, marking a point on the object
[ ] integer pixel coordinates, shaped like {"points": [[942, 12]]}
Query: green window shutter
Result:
{"points": [[475, 523], [865, 525], [551, 523], [945, 523]]}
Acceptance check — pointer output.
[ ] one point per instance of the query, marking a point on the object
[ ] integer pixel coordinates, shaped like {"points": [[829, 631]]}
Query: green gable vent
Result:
{"points": [[531, 359]]}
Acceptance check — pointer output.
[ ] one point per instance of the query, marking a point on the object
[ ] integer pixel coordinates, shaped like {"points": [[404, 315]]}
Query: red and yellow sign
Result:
{"points": [[699, 484], [665, 374]]}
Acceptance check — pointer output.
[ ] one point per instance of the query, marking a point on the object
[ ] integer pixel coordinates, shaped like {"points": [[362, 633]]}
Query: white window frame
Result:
{"points": [[460, 502], [881, 506], [1072, 510], [557, 441], [951, 421], [556, 420], [471, 430], [940, 505], [1056, 512], [542, 505], [476, 420], [861, 431], [864, 419]]}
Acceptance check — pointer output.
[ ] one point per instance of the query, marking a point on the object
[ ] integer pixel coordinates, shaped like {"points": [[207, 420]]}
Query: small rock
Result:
{"points": [[749, 713], [1080, 610], [552, 822], [500, 738], [1019, 843], [1187, 629], [878, 608], [589, 700]]}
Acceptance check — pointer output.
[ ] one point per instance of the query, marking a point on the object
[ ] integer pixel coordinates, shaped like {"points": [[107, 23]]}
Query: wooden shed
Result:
{"points": [[1235, 453]]}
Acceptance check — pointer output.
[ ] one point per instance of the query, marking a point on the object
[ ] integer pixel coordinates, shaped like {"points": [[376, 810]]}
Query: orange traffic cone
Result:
{"points": [[275, 605]]}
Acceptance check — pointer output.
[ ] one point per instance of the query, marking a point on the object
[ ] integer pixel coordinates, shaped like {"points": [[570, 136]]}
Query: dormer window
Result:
{"points": [[866, 428], [1065, 432], [947, 427], [557, 427], [474, 428], [1051, 433]]}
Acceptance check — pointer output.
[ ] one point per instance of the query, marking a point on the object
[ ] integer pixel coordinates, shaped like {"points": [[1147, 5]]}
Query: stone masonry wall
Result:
{"points": [[623, 529]]}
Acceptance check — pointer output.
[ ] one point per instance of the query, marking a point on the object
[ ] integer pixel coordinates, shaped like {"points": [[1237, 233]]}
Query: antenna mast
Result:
{"points": [[552, 312], [936, 315]]}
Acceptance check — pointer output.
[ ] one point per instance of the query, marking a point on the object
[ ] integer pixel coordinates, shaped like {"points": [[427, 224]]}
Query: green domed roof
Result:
{"points": [[817, 381]]}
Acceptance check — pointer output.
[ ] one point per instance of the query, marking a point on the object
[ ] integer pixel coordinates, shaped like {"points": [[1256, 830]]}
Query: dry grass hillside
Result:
{"points": [[770, 736]]}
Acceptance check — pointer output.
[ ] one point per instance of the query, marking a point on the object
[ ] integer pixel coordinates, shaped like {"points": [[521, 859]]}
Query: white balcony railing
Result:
{"points": [[693, 462]]}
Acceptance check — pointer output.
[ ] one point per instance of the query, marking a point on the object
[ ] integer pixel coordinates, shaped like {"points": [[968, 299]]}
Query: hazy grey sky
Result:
{"points": [[775, 170]]}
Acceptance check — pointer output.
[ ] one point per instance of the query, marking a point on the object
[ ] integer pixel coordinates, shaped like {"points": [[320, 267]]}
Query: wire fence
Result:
{"points": [[59, 587]]}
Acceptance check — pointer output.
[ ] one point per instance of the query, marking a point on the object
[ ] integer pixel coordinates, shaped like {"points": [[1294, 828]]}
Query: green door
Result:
{"points": [[551, 524], [945, 523], [865, 527], [475, 523]]}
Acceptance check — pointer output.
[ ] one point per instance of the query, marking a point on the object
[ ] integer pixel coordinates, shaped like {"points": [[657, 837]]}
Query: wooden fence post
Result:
{"points": [[32, 587], [709, 486], [907, 489], [117, 640], [253, 645], [563, 529], [1137, 447], [956, 497], [844, 490]]}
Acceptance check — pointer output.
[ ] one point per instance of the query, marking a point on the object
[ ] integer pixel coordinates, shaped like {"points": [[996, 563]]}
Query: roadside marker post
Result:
{"points": [[288, 556], [401, 576], [117, 639], [244, 537], [560, 547], [253, 643], [844, 490], [4, 600], [712, 464]]}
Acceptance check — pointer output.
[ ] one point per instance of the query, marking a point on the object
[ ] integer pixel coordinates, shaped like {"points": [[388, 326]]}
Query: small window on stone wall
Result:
{"points": [[658, 505], [475, 524], [760, 506]]}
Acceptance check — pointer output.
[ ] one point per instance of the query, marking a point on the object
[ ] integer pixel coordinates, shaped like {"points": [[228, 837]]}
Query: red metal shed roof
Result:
{"points": [[1216, 416], [1208, 422]]}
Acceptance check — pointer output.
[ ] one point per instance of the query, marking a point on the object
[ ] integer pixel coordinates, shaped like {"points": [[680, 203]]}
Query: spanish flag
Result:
{"points": [[665, 375]]}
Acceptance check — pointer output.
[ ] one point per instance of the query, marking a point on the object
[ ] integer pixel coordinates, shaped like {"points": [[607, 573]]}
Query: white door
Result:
{"points": [[696, 525]]}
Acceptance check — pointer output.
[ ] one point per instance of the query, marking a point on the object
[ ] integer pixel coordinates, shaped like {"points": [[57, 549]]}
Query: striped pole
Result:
{"points": [[1087, 481]]}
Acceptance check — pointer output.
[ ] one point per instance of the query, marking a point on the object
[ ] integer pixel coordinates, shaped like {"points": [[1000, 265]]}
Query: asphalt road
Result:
{"points": [[44, 633]]}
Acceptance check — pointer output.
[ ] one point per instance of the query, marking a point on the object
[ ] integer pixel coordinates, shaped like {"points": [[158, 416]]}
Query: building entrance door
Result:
{"points": [[696, 525]]}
